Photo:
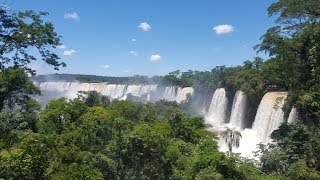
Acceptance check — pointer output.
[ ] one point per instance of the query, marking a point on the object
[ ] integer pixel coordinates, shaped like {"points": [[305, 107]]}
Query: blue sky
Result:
{"points": [[149, 37]]}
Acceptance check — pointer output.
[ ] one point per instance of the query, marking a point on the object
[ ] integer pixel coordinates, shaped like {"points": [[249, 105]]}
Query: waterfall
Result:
{"points": [[170, 93], [269, 115], [99, 87], [133, 90], [53, 90], [114, 91], [239, 107], [268, 118], [218, 106], [147, 89], [293, 116], [183, 92]]}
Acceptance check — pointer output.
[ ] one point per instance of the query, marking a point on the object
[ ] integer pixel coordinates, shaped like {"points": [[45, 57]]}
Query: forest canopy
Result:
{"points": [[94, 137]]}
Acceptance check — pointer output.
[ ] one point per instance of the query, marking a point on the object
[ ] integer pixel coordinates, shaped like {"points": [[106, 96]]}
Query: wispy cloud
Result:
{"points": [[133, 40], [106, 66], [144, 26], [72, 15], [155, 57], [223, 29], [69, 52], [134, 53], [126, 71]]}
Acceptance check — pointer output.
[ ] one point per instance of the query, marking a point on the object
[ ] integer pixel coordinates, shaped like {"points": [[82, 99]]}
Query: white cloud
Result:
{"points": [[133, 40], [223, 29], [69, 52], [126, 71], [144, 26], [73, 16], [155, 57], [106, 66], [134, 53], [62, 46]]}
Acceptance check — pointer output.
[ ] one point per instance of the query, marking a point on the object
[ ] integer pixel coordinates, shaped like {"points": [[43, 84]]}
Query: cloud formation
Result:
{"points": [[133, 40], [126, 71], [155, 58], [134, 53], [69, 52], [106, 66], [72, 15], [144, 26], [223, 29]]}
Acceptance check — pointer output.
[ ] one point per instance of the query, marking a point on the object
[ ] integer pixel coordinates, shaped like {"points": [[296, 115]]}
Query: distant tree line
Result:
{"points": [[136, 79]]}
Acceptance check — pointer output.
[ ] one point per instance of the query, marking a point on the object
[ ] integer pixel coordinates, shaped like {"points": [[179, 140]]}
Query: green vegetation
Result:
{"points": [[91, 137], [123, 140]]}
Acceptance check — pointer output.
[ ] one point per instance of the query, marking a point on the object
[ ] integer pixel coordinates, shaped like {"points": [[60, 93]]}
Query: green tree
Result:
{"points": [[295, 44], [94, 98], [20, 32], [15, 88]]}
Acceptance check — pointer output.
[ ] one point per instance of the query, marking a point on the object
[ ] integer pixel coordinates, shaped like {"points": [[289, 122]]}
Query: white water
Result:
{"points": [[269, 115], [183, 92], [217, 111], [268, 118], [293, 116], [239, 107], [116, 91], [170, 93]]}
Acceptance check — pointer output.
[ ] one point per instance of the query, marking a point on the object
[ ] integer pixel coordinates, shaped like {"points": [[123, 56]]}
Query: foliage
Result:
{"points": [[91, 137], [21, 31], [123, 140], [23, 37]]}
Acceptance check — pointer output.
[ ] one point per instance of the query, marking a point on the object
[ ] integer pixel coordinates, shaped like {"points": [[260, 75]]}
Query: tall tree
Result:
{"points": [[24, 36], [295, 44]]}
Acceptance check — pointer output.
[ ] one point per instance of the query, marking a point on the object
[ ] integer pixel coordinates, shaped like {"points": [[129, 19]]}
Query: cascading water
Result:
{"points": [[268, 118], [218, 107], [183, 92], [170, 93], [133, 90], [70, 90], [114, 91], [239, 107], [269, 115], [293, 116]]}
